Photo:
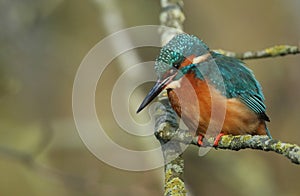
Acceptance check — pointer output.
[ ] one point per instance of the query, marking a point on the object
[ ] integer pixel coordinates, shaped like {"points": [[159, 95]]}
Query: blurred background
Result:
{"points": [[42, 43]]}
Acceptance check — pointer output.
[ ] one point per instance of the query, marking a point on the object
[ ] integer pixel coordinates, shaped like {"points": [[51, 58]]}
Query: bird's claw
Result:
{"points": [[202, 141]]}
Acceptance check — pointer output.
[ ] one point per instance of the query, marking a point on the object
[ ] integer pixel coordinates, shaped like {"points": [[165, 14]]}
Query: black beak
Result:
{"points": [[156, 89]]}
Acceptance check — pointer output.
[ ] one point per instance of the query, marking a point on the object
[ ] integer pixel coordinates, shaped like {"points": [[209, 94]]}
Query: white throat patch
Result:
{"points": [[174, 84]]}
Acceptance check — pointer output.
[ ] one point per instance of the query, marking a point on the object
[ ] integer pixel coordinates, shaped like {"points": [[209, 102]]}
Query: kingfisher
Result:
{"points": [[213, 94]]}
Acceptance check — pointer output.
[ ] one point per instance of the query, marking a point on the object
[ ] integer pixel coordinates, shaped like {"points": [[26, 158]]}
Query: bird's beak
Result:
{"points": [[156, 89]]}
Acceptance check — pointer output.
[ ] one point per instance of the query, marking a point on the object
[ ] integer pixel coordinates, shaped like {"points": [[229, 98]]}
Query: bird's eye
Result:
{"points": [[176, 65], [176, 59]]}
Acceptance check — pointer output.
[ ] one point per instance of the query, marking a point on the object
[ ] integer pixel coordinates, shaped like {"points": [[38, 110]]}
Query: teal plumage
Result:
{"points": [[186, 55], [240, 83], [236, 78]]}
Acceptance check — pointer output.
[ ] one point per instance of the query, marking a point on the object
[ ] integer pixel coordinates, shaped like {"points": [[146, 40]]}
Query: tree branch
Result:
{"points": [[291, 151], [166, 121], [239, 142], [165, 117], [280, 50]]}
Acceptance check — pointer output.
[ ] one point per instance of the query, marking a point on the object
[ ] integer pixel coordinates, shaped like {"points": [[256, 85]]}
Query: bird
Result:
{"points": [[208, 90]]}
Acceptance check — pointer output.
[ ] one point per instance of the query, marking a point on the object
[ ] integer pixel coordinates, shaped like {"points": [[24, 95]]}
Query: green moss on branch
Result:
{"points": [[279, 50]]}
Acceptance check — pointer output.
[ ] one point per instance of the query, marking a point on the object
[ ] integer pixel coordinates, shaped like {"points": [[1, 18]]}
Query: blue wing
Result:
{"points": [[240, 83]]}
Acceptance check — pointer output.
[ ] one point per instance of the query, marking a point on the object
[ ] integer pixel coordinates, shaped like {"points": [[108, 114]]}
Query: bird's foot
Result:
{"points": [[218, 137], [200, 140]]}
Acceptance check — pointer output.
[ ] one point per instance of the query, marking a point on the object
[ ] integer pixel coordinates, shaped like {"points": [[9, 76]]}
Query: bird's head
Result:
{"points": [[176, 58]]}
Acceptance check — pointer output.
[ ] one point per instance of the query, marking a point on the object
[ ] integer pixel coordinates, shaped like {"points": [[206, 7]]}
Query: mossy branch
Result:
{"points": [[291, 151], [239, 142], [279, 50], [166, 122], [171, 16]]}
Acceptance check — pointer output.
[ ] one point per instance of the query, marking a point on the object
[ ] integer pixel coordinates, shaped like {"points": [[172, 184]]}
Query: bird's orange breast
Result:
{"points": [[193, 102]]}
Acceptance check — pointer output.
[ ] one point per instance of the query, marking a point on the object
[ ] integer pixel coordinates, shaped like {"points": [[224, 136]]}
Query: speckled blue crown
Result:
{"points": [[182, 45]]}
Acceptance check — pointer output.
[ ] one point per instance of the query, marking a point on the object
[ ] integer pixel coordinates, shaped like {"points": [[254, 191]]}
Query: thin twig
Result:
{"points": [[280, 50]]}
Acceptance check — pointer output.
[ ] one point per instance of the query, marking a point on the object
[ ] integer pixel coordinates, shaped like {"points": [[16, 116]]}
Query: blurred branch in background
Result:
{"points": [[110, 15], [29, 161], [21, 20]]}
